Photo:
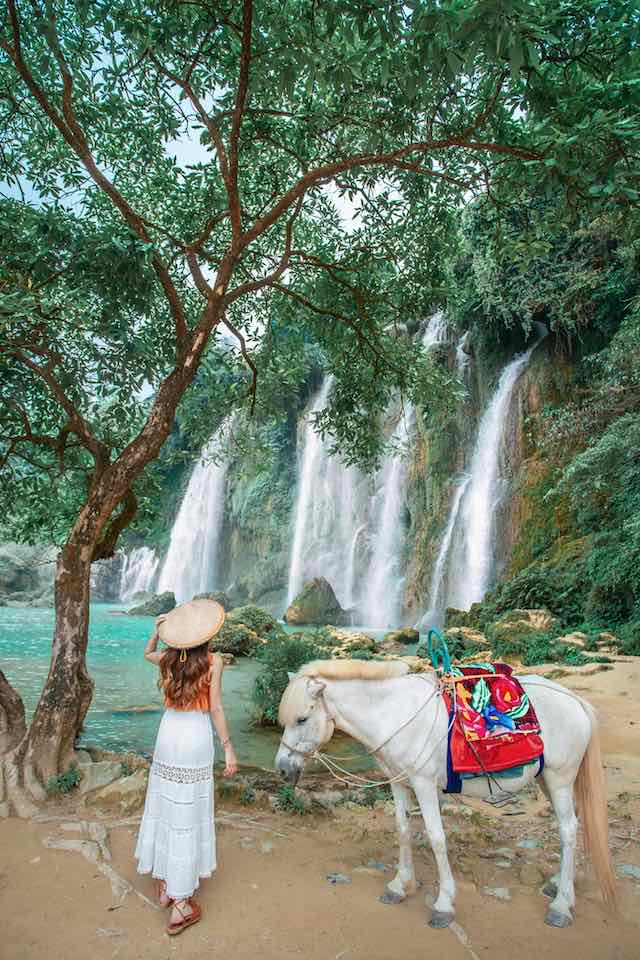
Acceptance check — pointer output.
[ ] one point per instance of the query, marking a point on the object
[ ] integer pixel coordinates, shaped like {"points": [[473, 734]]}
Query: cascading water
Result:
{"points": [[330, 514], [438, 586], [384, 580], [138, 571], [190, 566], [465, 562], [383, 585]]}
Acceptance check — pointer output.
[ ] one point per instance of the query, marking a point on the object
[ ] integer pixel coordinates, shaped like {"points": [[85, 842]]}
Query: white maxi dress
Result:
{"points": [[176, 842]]}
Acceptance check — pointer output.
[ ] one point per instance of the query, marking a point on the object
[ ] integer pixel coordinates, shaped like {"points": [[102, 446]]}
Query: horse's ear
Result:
{"points": [[316, 687]]}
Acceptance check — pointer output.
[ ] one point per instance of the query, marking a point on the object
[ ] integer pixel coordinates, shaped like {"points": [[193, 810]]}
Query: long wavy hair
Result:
{"points": [[182, 682]]}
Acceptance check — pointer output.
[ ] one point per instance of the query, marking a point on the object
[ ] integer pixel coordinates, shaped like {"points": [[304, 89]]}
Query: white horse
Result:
{"points": [[402, 720]]}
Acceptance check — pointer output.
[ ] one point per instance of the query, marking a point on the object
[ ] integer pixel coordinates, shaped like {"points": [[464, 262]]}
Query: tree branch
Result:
{"points": [[68, 126]]}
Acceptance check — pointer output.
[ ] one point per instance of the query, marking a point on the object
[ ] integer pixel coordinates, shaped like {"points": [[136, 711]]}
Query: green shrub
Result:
{"points": [[252, 617], [289, 801], [283, 654], [629, 637], [247, 797], [64, 782]]}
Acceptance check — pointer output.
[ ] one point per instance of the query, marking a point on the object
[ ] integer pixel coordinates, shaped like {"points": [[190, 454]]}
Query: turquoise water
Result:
{"points": [[127, 705], [124, 681]]}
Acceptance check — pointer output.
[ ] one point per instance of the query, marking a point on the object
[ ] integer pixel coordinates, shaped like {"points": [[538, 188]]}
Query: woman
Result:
{"points": [[176, 842]]}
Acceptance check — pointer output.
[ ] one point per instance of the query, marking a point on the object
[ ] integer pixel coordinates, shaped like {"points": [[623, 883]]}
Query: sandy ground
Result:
{"points": [[271, 897]]}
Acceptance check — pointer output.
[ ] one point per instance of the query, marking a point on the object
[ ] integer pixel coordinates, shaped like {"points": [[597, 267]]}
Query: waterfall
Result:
{"points": [[433, 616], [465, 562], [138, 571], [190, 566], [330, 513], [381, 595], [383, 584]]}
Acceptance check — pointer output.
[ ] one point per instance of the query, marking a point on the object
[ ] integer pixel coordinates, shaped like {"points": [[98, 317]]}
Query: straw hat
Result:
{"points": [[191, 624]]}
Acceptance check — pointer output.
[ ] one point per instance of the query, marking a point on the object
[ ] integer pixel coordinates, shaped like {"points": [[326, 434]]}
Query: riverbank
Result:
{"points": [[271, 894]]}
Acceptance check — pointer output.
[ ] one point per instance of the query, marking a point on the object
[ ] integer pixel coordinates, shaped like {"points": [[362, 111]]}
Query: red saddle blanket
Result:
{"points": [[494, 724]]}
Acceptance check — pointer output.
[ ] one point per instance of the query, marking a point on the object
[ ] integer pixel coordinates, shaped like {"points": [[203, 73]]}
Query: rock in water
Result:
{"points": [[218, 595], [404, 635], [317, 604], [157, 605]]}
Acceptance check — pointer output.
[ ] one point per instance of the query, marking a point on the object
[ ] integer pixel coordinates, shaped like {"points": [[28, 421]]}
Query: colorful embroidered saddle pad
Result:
{"points": [[494, 725]]}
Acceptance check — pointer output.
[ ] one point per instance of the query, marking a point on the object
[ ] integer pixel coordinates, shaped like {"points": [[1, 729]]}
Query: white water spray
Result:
{"points": [[190, 566], [138, 571]]}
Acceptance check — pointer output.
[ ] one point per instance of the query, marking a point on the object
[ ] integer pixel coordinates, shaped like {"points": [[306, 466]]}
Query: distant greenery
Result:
{"points": [[284, 654]]}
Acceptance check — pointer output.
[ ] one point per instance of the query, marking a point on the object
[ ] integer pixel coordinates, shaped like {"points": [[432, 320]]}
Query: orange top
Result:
{"points": [[201, 701]]}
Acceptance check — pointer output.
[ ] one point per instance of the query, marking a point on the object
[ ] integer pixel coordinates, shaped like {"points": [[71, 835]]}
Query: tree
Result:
{"points": [[99, 100]]}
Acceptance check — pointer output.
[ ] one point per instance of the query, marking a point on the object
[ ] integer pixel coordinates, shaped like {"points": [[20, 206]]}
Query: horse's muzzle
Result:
{"points": [[288, 766]]}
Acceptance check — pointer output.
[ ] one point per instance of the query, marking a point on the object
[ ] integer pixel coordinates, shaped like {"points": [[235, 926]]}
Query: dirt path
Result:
{"points": [[271, 897]]}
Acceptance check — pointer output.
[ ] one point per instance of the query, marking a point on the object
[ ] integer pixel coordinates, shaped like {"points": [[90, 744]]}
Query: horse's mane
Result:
{"points": [[293, 698], [353, 669]]}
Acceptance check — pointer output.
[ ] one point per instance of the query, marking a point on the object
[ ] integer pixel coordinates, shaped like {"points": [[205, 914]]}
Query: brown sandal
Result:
{"points": [[196, 912], [161, 890]]}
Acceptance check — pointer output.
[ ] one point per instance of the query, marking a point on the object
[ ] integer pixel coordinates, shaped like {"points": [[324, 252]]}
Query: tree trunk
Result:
{"points": [[12, 722], [48, 747]]}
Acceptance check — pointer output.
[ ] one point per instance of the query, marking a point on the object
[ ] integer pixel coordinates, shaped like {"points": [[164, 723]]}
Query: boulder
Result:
{"points": [[404, 635], [157, 605], [236, 639], [317, 604], [97, 775], [218, 595], [126, 793]]}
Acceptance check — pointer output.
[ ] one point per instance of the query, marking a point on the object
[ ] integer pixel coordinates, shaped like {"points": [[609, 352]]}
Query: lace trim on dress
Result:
{"points": [[181, 774]]}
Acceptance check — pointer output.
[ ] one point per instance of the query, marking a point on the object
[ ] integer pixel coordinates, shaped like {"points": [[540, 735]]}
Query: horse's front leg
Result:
{"points": [[427, 794], [404, 882]]}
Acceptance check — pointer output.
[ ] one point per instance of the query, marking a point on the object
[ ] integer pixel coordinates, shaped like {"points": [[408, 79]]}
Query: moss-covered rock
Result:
{"points": [[469, 638], [317, 604], [516, 624], [235, 638], [404, 635], [257, 620], [218, 595], [156, 606]]}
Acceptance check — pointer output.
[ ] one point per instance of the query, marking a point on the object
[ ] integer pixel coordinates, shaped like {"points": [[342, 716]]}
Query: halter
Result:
{"points": [[332, 766]]}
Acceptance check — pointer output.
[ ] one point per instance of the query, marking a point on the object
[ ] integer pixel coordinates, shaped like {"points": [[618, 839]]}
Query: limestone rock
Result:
{"points": [[317, 604], [127, 793], [97, 775], [159, 604], [404, 635], [522, 623], [467, 636], [575, 639]]}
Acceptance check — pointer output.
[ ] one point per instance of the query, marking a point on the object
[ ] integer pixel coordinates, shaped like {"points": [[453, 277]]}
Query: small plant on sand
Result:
{"points": [[63, 783], [226, 791], [126, 768], [290, 802], [247, 797]]}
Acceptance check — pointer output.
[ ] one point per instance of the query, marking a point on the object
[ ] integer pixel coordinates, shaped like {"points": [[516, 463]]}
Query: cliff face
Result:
{"points": [[256, 537]]}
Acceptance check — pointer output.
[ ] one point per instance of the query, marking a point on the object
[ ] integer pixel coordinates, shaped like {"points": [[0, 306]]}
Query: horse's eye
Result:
{"points": [[301, 720]]}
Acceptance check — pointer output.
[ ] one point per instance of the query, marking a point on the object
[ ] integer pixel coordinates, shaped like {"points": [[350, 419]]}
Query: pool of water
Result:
{"points": [[127, 705]]}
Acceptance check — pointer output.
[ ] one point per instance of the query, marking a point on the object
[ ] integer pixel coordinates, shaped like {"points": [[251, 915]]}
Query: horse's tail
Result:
{"points": [[591, 797]]}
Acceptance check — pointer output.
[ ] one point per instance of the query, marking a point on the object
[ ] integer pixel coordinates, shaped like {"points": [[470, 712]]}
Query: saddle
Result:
{"points": [[493, 726]]}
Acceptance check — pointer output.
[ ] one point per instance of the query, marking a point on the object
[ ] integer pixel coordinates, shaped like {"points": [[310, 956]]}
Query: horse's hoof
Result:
{"points": [[440, 919], [390, 897], [555, 919]]}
